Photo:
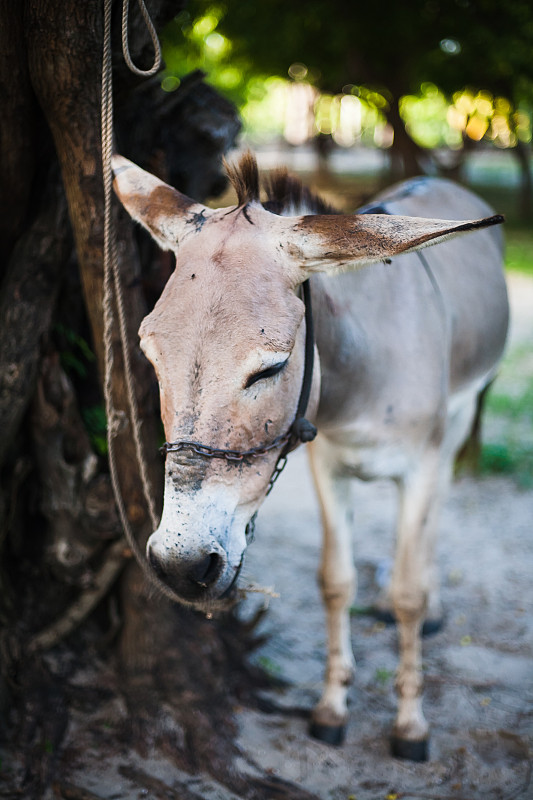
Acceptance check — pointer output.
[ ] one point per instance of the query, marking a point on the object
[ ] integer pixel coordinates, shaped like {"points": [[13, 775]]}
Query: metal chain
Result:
{"points": [[113, 293], [230, 455], [278, 469]]}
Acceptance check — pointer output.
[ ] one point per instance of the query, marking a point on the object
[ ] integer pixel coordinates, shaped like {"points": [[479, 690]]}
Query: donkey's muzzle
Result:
{"points": [[192, 578]]}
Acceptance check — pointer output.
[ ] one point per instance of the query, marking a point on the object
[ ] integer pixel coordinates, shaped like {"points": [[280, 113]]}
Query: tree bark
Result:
{"points": [[68, 90], [28, 295], [18, 121]]}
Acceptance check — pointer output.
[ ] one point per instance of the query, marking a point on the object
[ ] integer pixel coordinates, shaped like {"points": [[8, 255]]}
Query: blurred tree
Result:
{"points": [[390, 47], [487, 45]]}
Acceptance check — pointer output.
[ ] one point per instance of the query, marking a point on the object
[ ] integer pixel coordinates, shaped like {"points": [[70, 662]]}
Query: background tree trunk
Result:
{"points": [[59, 535], [405, 154]]}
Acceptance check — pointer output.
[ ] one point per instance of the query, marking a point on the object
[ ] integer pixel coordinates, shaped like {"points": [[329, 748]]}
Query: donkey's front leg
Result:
{"points": [[410, 589], [337, 582]]}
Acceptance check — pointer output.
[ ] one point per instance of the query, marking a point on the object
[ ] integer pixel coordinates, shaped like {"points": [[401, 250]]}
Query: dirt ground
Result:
{"points": [[478, 669]]}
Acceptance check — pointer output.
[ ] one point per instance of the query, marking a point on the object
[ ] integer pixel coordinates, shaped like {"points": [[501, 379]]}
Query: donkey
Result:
{"points": [[404, 344]]}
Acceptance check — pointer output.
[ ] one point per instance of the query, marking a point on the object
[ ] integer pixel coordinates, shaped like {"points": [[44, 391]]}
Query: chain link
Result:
{"points": [[229, 455], [278, 469]]}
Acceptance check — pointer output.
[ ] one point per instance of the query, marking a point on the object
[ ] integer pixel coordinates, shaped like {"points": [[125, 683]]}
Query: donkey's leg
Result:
{"points": [[410, 591], [337, 582], [414, 586]]}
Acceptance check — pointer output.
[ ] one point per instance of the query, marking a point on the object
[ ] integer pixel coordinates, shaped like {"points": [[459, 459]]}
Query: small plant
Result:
{"points": [[269, 666], [383, 676]]}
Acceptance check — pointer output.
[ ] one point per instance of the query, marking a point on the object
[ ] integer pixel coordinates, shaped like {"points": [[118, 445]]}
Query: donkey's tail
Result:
{"points": [[468, 457]]}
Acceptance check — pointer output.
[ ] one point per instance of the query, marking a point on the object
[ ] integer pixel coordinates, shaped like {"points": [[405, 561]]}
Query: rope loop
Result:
{"points": [[143, 73]]}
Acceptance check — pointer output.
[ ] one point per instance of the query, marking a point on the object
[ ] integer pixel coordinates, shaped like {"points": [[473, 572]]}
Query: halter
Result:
{"points": [[301, 429]]}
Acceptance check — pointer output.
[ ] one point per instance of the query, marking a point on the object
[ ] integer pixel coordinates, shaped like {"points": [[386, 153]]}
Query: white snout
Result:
{"points": [[199, 545]]}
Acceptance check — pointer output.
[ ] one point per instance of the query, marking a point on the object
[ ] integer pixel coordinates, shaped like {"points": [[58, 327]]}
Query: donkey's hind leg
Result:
{"points": [[337, 582], [414, 575], [410, 591]]}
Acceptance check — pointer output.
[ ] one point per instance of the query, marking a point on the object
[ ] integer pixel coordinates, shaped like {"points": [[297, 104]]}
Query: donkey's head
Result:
{"points": [[227, 341]]}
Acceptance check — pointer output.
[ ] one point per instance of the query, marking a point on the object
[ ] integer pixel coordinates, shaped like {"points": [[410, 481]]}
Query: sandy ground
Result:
{"points": [[478, 669]]}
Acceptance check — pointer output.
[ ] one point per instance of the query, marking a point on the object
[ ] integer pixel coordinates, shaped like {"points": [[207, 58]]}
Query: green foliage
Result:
{"points": [[74, 351], [95, 422], [510, 451], [76, 359], [426, 118], [509, 459], [519, 249], [192, 41], [454, 43], [360, 611], [477, 53]]}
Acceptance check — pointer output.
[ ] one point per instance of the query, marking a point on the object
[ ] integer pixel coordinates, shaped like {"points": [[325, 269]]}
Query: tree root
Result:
{"points": [[114, 562]]}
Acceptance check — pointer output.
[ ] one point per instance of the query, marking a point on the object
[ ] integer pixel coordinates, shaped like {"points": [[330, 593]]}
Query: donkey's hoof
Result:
{"points": [[417, 750], [330, 734]]}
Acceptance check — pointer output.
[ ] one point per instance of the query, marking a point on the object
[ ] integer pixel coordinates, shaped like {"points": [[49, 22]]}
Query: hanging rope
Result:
{"points": [[113, 295], [144, 73]]}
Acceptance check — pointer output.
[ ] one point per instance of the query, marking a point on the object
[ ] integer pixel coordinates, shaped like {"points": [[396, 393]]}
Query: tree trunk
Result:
{"points": [[405, 153]]}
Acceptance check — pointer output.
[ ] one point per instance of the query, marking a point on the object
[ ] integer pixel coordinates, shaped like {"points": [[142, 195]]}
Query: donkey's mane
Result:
{"points": [[244, 178], [286, 195]]}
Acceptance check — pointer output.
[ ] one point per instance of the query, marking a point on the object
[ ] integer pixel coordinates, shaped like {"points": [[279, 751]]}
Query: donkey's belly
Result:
{"points": [[371, 454]]}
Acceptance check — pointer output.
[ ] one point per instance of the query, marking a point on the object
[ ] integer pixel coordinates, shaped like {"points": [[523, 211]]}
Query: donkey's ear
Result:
{"points": [[166, 213], [338, 243]]}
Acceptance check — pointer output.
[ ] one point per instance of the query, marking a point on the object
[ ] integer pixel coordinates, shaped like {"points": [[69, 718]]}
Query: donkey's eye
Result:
{"points": [[265, 373]]}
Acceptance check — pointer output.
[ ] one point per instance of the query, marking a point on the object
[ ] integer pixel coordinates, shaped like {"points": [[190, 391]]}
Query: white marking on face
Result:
{"points": [[197, 524]]}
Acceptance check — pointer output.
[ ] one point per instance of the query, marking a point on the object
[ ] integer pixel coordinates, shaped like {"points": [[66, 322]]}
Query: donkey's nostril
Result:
{"points": [[206, 571], [190, 578]]}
